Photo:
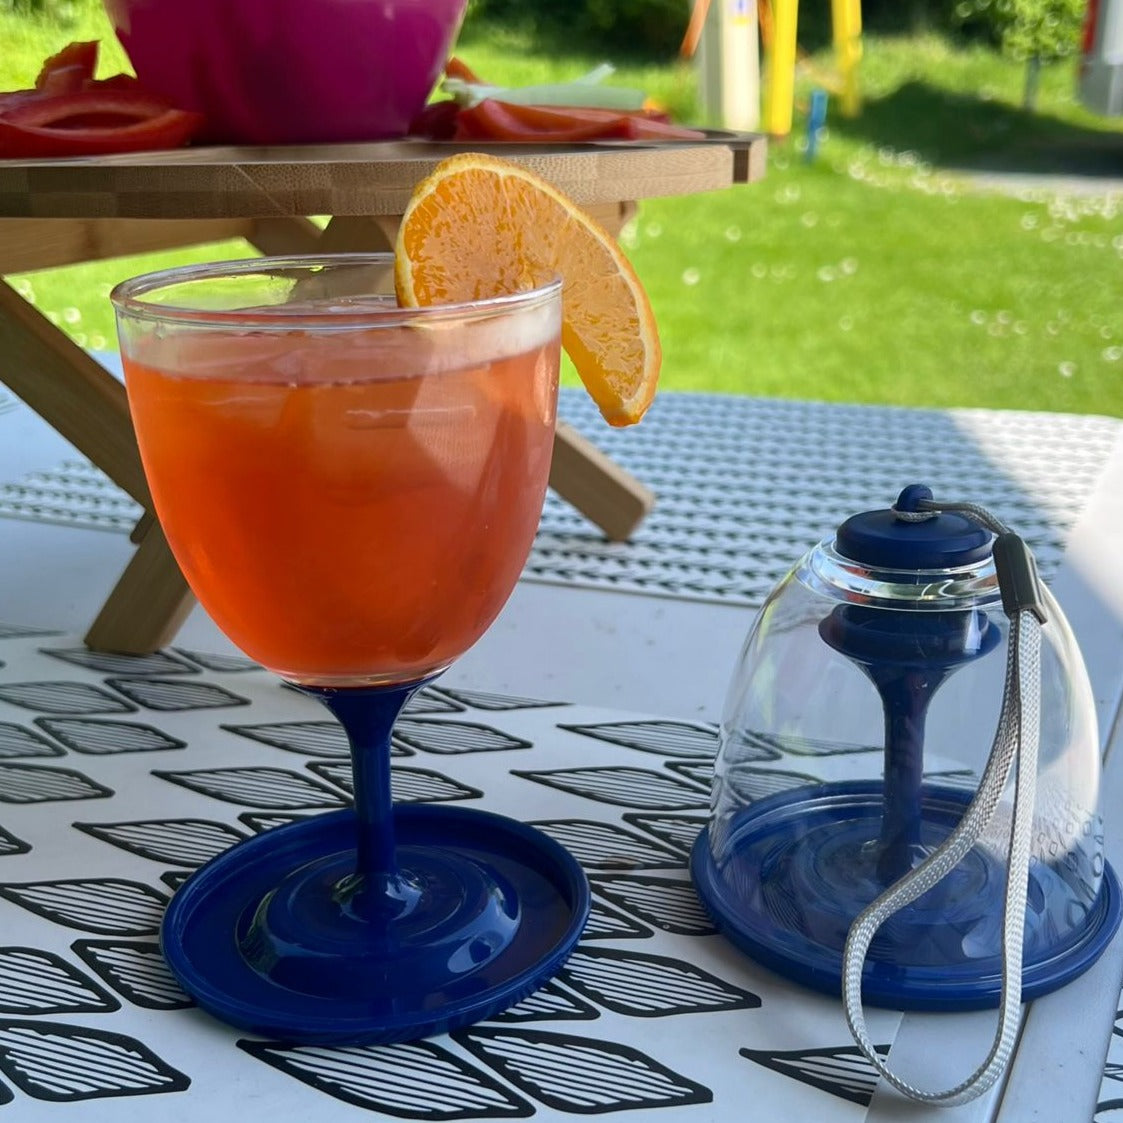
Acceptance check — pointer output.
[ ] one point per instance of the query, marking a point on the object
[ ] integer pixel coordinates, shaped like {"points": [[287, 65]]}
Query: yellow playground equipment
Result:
{"points": [[778, 20]]}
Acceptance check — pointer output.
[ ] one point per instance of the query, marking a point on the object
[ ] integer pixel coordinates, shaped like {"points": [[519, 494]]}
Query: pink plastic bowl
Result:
{"points": [[291, 71]]}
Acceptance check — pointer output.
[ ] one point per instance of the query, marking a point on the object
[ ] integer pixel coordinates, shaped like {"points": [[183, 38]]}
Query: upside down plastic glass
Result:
{"points": [[351, 489], [857, 726]]}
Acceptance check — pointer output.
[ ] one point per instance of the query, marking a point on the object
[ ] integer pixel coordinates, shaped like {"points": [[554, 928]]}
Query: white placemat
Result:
{"points": [[119, 775]]}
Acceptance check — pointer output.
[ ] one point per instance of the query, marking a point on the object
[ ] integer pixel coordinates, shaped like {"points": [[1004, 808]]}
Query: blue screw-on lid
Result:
{"points": [[883, 540]]}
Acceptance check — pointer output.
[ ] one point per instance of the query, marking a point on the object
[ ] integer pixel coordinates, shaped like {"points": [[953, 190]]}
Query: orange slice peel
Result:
{"points": [[479, 226]]}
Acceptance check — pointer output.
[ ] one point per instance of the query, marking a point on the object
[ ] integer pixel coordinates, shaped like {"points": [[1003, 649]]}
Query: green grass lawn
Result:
{"points": [[881, 272]]}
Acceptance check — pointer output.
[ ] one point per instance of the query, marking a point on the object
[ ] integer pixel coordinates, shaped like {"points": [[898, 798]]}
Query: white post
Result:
{"points": [[729, 65]]}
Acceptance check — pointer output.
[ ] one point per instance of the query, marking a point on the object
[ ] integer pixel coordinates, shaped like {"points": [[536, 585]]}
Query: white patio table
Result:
{"points": [[591, 709]]}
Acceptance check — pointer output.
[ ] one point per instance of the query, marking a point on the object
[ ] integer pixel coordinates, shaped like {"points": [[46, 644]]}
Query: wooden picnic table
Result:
{"points": [[55, 213]]}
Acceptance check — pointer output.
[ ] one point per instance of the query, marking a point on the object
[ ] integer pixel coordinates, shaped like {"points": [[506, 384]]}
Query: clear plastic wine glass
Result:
{"points": [[351, 490]]}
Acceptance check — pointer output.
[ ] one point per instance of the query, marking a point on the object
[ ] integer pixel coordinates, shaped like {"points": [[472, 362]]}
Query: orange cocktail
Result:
{"points": [[351, 504], [352, 488]]}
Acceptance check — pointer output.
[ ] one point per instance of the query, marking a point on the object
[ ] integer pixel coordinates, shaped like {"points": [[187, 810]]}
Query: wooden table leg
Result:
{"points": [[597, 486], [82, 401], [286, 235], [71, 391], [149, 603]]}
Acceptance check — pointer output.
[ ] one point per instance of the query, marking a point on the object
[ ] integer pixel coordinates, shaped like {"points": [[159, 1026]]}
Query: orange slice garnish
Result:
{"points": [[480, 226]]}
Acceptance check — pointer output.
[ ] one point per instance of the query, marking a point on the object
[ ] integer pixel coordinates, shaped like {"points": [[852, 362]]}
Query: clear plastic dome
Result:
{"points": [[858, 723]]}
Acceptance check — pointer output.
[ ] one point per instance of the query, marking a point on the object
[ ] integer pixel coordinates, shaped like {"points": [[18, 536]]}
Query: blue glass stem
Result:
{"points": [[905, 699], [377, 890]]}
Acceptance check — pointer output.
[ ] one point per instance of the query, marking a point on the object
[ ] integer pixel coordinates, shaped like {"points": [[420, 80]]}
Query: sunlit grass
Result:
{"points": [[879, 272]]}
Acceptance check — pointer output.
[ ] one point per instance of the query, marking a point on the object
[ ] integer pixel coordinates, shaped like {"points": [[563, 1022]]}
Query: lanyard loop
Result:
{"points": [[1014, 750]]}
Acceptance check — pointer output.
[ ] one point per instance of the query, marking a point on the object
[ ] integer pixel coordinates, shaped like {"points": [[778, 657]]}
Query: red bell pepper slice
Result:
{"points": [[638, 125], [69, 70], [437, 121], [536, 124], [497, 120], [458, 68], [94, 122]]}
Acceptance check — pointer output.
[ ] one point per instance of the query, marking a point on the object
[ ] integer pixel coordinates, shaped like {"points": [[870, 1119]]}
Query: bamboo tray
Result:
{"points": [[353, 179]]}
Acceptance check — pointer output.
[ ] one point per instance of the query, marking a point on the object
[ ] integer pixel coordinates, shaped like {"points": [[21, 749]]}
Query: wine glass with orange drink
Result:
{"points": [[348, 455]]}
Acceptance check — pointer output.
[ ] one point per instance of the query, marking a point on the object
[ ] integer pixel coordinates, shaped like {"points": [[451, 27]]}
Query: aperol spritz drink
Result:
{"points": [[350, 506], [351, 488]]}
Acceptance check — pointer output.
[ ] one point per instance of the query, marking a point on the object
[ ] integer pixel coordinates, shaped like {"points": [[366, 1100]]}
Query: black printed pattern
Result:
{"points": [[844, 1072], [678, 831], [136, 970], [454, 737], [187, 842], [10, 844], [19, 741], [664, 738], [265, 822], [430, 701], [777, 744], [623, 787], [99, 737], [63, 698], [407, 785], [324, 739], [578, 1074], [482, 700], [606, 922], [108, 906], [17, 631], [1109, 1106], [700, 771], [157, 663], [672, 906], [552, 1003], [274, 789], [751, 784], [176, 694], [40, 783], [309, 738], [33, 981], [605, 846], [650, 986], [420, 1080], [227, 664], [67, 1063]]}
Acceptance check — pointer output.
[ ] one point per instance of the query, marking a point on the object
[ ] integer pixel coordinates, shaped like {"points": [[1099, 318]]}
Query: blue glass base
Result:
{"points": [[801, 865], [277, 937]]}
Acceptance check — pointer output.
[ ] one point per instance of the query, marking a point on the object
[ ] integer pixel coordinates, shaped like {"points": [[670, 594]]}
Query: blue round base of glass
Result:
{"points": [[269, 937], [798, 868]]}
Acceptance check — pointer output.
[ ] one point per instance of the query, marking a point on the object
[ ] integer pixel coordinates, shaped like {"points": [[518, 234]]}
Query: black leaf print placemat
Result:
{"points": [[120, 776]]}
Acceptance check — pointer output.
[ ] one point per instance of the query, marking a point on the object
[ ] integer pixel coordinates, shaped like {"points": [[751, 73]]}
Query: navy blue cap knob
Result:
{"points": [[884, 540]]}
